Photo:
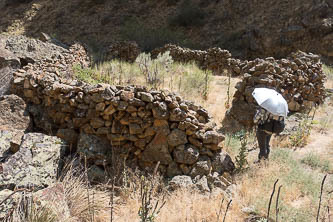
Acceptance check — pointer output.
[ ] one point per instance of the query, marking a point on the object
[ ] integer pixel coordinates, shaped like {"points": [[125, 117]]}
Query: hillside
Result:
{"points": [[247, 28]]}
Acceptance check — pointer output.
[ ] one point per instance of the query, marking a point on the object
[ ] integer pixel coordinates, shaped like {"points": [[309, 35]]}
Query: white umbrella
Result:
{"points": [[271, 100]]}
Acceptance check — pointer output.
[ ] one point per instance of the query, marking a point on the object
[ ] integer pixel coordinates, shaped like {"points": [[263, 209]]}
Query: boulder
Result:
{"points": [[157, 150], [181, 182], [222, 162], [36, 164], [8, 64], [13, 114]]}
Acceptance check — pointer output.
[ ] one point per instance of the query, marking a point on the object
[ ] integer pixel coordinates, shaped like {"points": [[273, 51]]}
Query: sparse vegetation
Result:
{"points": [[160, 73], [317, 162], [300, 137]]}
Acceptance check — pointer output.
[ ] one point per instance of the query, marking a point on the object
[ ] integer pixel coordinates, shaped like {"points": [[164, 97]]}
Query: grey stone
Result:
{"points": [[201, 167], [181, 182], [93, 148], [35, 164]]}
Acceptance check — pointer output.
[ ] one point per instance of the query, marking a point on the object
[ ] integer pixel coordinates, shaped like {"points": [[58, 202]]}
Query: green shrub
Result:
{"points": [[316, 162], [194, 80], [189, 14]]}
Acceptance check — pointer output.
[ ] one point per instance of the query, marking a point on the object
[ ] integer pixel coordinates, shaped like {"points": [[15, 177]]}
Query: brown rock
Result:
{"points": [[177, 137], [97, 122], [157, 150], [13, 114]]}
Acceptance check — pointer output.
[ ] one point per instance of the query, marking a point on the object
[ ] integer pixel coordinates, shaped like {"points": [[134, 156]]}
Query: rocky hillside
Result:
{"points": [[247, 28]]}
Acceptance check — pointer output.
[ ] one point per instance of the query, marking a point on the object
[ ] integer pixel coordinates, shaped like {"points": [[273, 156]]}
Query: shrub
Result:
{"points": [[188, 14]]}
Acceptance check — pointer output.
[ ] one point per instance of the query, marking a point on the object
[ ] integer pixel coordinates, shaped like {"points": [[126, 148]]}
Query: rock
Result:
{"points": [[187, 154], [13, 114], [9, 204], [147, 97], [222, 162], [8, 64], [97, 123], [212, 137], [201, 167], [68, 135], [135, 128], [160, 110], [53, 198], [181, 182], [93, 149], [177, 115], [173, 170], [36, 164], [157, 150], [177, 137], [202, 184]]}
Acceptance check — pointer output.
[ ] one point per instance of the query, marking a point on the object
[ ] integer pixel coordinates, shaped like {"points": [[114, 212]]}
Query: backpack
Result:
{"points": [[278, 125]]}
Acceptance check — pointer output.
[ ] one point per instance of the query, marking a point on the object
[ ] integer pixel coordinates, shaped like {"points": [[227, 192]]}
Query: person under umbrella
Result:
{"points": [[269, 117]]}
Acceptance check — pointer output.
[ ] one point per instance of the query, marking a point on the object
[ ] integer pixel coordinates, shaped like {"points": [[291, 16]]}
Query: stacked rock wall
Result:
{"points": [[147, 126], [214, 59], [126, 50], [299, 78]]}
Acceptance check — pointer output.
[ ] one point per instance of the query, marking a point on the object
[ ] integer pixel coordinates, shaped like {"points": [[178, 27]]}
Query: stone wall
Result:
{"points": [[142, 125], [214, 59], [299, 78], [125, 50]]}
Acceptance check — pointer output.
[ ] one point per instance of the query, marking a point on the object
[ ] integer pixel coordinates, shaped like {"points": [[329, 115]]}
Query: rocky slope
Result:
{"points": [[249, 29]]}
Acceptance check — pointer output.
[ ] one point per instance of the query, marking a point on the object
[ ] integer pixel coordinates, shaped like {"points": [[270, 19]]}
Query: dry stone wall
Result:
{"points": [[126, 50], [299, 78], [146, 126], [214, 59]]}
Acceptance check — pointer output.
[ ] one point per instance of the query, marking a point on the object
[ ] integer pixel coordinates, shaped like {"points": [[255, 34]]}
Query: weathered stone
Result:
{"points": [[186, 154], [13, 113], [126, 95], [222, 162], [161, 126], [53, 198], [201, 167], [93, 148], [35, 164], [173, 170], [195, 142], [100, 107], [177, 137], [7, 205], [212, 137], [177, 115], [109, 110], [68, 135], [157, 150], [135, 129], [202, 184], [97, 123], [181, 182], [147, 97], [160, 110], [96, 174]]}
